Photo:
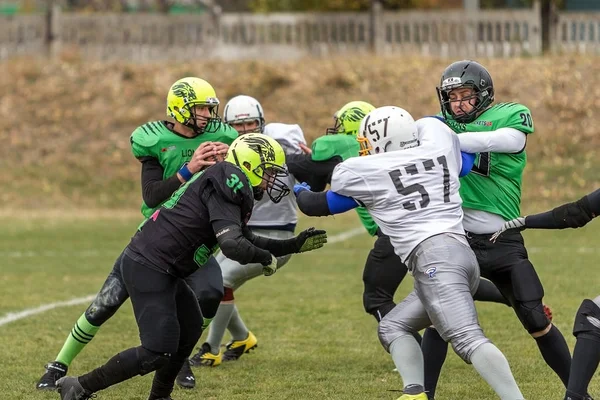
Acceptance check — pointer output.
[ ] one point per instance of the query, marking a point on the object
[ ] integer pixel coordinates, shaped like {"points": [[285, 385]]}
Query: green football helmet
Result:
{"points": [[347, 119], [262, 159]]}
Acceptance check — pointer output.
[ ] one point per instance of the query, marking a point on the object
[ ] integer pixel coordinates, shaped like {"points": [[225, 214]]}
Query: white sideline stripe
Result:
{"points": [[12, 317], [28, 312]]}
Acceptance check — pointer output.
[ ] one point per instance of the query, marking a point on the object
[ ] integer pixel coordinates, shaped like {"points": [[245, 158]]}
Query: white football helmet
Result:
{"points": [[386, 129], [244, 109]]}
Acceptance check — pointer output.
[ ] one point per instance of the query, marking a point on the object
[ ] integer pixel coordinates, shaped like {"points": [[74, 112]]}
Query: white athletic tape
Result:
{"points": [[12, 317]]}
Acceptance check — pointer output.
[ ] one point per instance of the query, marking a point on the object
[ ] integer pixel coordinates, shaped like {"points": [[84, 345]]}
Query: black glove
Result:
{"points": [[310, 239]]}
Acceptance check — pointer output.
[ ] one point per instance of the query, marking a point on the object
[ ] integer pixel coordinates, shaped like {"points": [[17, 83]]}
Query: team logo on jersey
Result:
{"points": [[165, 149], [431, 271]]}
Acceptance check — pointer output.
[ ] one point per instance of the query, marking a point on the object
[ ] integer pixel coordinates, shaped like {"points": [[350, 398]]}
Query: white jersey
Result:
{"points": [[412, 193], [267, 214]]}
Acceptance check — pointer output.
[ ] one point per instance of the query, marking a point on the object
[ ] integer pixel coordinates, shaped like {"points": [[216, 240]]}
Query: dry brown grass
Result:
{"points": [[66, 123]]}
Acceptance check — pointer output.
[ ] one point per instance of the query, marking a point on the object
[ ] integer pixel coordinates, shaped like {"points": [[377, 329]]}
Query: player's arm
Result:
{"points": [[317, 174], [503, 140], [155, 189], [570, 215], [468, 160], [320, 204], [307, 240]]}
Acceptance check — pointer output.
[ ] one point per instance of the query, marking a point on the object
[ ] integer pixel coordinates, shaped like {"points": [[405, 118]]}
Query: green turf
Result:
{"points": [[315, 342]]}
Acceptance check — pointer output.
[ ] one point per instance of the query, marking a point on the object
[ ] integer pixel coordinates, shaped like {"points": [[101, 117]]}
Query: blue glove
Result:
{"points": [[300, 187]]}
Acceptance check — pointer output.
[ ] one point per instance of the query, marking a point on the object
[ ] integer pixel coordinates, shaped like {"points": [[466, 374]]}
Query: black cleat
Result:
{"points": [[54, 371], [70, 389], [185, 377]]}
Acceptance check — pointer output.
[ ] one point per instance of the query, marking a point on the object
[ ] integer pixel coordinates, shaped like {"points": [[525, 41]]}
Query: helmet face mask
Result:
{"points": [[193, 103], [348, 118], [465, 75], [245, 114], [262, 160]]}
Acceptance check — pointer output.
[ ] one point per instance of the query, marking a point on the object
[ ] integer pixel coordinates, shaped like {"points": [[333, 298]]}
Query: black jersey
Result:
{"points": [[179, 237]]}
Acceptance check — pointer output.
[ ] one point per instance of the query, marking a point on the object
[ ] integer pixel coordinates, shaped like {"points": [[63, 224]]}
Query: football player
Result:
{"points": [[277, 221], [491, 195], [211, 210], [383, 271], [586, 354], [170, 153], [408, 181]]}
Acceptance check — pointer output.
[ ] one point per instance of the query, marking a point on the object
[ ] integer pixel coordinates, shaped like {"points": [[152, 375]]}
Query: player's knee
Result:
{"points": [[466, 342], [587, 320], [150, 360], [533, 317], [390, 330], [526, 283]]}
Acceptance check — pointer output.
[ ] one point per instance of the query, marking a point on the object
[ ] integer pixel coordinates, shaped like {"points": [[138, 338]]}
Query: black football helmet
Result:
{"points": [[466, 74]]}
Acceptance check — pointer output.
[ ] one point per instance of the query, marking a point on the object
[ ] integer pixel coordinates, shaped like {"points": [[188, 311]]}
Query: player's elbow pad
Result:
{"points": [[573, 215], [236, 247]]}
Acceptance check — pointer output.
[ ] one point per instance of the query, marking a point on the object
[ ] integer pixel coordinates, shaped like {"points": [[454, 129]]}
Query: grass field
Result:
{"points": [[315, 341]]}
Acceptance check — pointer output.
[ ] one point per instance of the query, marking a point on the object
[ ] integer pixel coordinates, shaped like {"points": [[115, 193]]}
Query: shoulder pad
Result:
{"points": [[288, 136], [514, 115], [231, 183], [329, 146], [227, 134], [144, 137]]}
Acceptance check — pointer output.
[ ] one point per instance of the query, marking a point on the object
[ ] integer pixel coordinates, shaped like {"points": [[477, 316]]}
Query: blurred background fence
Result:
{"points": [[232, 35]]}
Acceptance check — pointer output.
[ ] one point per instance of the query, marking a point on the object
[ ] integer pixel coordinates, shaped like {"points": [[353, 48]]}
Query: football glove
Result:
{"points": [[310, 239], [270, 267], [300, 187], [516, 223]]}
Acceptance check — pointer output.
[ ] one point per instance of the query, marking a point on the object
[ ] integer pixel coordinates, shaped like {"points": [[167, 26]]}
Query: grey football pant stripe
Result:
{"points": [[446, 276], [236, 274]]}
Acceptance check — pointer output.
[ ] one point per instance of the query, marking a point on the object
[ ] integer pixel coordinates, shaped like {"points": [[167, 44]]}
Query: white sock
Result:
{"points": [[407, 356], [493, 367]]}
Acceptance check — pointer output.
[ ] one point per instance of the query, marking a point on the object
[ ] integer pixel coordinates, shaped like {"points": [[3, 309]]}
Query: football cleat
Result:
{"points": [[185, 377], [420, 396], [204, 358], [54, 371], [236, 348], [70, 389]]}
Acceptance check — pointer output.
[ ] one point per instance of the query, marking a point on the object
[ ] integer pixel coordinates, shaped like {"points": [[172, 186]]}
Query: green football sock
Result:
{"points": [[80, 335]]}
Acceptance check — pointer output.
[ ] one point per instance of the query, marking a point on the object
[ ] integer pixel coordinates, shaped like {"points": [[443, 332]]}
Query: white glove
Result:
{"points": [[270, 268], [512, 224]]}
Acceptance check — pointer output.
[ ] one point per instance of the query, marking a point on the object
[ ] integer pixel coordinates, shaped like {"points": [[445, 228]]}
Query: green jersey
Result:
{"points": [[494, 183], [172, 150], [344, 146]]}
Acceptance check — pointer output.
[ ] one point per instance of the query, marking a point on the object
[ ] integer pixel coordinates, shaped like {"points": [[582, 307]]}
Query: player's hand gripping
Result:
{"points": [[270, 267], [206, 154], [310, 239], [516, 223], [300, 187]]}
